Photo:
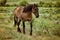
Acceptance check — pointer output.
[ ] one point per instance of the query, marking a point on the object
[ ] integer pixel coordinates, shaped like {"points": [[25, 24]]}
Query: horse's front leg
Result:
{"points": [[15, 21], [23, 27], [31, 28], [19, 30]]}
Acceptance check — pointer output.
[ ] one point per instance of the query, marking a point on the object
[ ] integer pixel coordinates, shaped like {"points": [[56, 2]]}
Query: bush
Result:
{"points": [[9, 5], [3, 2], [57, 4], [49, 4], [41, 4], [23, 3], [45, 4]]}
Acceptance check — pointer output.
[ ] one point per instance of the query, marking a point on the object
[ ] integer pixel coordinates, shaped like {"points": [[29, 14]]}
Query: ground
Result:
{"points": [[44, 22]]}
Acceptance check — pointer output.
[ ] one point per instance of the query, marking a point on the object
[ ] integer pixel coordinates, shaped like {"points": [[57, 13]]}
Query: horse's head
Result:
{"points": [[35, 10]]}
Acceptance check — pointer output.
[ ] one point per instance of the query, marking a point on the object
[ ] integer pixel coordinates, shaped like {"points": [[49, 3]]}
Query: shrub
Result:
{"points": [[57, 4], [23, 3], [7, 5], [49, 4], [3, 2], [41, 4], [45, 4]]}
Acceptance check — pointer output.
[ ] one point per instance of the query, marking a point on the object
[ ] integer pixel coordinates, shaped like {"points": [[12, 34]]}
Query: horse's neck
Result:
{"points": [[27, 9], [28, 14]]}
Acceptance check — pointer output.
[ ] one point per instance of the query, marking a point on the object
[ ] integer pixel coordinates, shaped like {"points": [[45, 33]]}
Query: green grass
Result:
{"points": [[29, 1], [12, 0], [45, 22]]}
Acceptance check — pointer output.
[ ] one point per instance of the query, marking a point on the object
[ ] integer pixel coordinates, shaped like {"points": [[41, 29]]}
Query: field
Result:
{"points": [[30, 1], [46, 27]]}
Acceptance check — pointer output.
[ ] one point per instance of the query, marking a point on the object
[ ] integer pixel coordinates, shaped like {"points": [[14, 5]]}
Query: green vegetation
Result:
{"points": [[49, 4], [23, 3], [46, 27], [44, 3], [3, 2]]}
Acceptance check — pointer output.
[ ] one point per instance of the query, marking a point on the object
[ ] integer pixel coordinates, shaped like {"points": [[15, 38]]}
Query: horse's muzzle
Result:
{"points": [[37, 16]]}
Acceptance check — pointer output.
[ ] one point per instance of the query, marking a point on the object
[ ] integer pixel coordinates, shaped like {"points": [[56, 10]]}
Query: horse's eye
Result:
{"points": [[35, 8]]}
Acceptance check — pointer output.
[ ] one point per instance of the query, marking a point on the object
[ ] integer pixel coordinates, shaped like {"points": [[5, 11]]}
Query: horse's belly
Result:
{"points": [[26, 18]]}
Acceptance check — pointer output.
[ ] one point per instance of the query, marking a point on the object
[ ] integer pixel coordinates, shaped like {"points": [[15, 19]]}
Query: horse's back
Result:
{"points": [[18, 11]]}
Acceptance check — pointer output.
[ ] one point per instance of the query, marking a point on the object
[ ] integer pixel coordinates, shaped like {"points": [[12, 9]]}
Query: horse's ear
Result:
{"points": [[35, 4]]}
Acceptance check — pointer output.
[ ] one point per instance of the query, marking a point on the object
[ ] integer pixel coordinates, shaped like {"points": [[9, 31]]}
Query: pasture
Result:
{"points": [[46, 27]]}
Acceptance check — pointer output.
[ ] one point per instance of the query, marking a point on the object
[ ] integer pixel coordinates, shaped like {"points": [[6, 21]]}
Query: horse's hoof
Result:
{"points": [[30, 34], [23, 32], [19, 31]]}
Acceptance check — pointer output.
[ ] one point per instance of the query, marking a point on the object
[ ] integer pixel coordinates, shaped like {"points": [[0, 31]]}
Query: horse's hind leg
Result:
{"points": [[31, 28], [23, 27], [15, 22], [19, 30]]}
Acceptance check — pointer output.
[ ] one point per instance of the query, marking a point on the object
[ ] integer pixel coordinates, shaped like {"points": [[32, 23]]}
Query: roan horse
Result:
{"points": [[25, 14]]}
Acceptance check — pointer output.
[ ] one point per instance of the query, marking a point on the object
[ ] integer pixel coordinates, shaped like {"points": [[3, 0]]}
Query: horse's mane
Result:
{"points": [[27, 8]]}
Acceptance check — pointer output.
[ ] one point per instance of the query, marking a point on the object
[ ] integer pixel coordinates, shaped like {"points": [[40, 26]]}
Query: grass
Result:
{"points": [[43, 27], [10, 2], [30, 0]]}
